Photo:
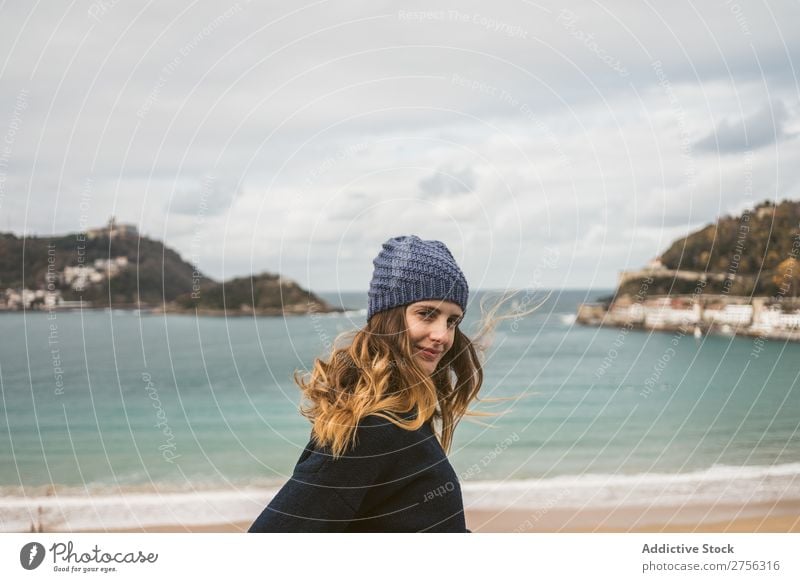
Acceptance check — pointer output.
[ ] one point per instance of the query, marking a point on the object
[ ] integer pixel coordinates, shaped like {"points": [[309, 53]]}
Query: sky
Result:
{"points": [[548, 144]]}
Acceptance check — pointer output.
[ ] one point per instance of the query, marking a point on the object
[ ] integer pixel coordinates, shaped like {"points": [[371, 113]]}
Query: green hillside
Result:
{"points": [[265, 293], [756, 252]]}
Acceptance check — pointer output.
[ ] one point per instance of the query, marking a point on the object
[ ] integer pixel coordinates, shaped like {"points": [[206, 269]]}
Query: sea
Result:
{"points": [[117, 418]]}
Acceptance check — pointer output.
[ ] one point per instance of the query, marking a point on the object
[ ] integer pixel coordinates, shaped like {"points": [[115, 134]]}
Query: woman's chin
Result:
{"points": [[427, 366]]}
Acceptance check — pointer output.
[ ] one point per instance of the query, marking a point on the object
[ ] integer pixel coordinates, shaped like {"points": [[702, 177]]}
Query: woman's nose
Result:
{"points": [[439, 331]]}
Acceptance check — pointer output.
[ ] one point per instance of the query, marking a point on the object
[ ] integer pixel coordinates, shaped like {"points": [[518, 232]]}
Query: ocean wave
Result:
{"points": [[568, 319], [134, 510], [346, 313], [719, 484]]}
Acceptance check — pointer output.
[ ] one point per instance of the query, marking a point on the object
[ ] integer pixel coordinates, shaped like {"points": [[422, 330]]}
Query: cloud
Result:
{"points": [[348, 206], [447, 182], [766, 126], [211, 198]]}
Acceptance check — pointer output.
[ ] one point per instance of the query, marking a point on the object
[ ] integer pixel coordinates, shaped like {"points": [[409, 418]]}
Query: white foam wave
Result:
{"points": [[718, 485], [568, 318], [105, 512], [346, 313]]}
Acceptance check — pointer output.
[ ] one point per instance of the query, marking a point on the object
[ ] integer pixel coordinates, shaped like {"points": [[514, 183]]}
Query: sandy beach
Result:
{"points": [[783, 517]]}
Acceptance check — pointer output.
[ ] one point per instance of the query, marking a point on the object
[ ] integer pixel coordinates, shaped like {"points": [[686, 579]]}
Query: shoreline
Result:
{"points": [[713, 330], [765, 499], [147, 310], [606, 520], [719, 314], [773, 517]]}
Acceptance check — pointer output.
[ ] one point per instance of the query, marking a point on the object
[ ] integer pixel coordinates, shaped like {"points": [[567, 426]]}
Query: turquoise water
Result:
{"points": [[184, 401]]}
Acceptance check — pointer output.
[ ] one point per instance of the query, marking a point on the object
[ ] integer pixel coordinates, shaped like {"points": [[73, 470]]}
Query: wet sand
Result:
{"points": [[783, 517]]}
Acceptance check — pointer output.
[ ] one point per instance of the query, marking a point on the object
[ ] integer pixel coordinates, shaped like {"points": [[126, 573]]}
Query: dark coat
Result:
{"points": [[391, 480]]}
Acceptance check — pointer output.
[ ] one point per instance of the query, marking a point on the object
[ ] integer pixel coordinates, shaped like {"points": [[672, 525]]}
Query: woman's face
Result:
{"points": [[431, 329]]}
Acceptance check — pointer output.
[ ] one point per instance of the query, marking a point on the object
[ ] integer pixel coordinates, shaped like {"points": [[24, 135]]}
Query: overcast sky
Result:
{"points": [[546, 146]]}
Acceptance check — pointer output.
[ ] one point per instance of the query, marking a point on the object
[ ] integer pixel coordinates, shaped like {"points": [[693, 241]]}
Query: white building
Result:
{"points": [[775, 318], [664, 312], [790, 320], [79, 277], [633, 312], [735, 315]]}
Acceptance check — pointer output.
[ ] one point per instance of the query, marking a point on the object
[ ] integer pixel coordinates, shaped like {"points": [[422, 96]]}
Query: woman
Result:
{"points": [[375, 462]]}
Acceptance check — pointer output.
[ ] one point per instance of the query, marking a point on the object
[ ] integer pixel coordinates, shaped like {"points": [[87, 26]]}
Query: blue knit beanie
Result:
{"points": [[409, 269]]}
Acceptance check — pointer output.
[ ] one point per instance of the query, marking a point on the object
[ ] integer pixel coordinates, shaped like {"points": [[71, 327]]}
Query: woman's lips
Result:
{"points": [[429, 354]]}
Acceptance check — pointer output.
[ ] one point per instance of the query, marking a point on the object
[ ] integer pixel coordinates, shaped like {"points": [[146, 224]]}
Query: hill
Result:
{"points": [[154, 273], [754, 253], [267, 294], [115, 267]]}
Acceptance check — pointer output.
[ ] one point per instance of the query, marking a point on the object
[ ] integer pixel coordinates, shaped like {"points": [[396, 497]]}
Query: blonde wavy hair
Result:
{"points": [[375, 373]]}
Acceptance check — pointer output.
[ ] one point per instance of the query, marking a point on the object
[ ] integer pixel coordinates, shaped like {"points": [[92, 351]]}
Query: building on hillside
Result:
{"points": [[114, 230]]}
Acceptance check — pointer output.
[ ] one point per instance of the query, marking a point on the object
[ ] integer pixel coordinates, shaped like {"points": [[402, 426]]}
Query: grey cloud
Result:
{"points": [[348, 207], [764, 127], [211, 198], [447, 182]]}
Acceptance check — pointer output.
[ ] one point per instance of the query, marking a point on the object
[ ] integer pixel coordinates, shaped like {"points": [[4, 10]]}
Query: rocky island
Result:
{"points": [[740, 275]]}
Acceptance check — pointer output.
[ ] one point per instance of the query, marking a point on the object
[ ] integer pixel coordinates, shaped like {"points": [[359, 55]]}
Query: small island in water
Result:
{"points": [[738, 276], [115, 267]]}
